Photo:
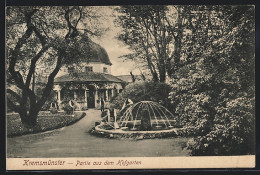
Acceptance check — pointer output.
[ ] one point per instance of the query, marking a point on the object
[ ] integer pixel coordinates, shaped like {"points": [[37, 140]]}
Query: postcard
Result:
{"points": [[130, 87]]}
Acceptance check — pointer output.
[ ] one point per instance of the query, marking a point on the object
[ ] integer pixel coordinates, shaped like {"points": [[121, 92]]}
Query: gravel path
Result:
{"points": [[76, 141]]}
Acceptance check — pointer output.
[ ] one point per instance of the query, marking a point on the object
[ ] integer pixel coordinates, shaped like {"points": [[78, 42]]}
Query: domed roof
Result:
{"points": [[96, 52]]}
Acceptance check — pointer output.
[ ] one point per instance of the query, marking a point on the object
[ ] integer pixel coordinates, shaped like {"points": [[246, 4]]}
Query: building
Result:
{"points": [[129, 79], [89, 81]]}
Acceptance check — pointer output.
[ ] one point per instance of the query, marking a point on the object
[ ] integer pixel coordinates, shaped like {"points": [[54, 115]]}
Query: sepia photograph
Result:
{"points": [[130, 86]]}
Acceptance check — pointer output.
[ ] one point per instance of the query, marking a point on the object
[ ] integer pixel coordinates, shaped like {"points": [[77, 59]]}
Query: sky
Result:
{"points": [[114, 47]]}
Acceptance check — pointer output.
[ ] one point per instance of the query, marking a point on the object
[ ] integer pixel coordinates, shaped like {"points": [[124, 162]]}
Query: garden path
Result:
{"points": [[76, 141]]}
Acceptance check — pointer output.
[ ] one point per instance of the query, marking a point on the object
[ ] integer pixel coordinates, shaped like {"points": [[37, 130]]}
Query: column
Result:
{"points": [[106, 94], [86, 97], [58, 97], [108, 116], [112, 92], [117, 91], [96, 98], [57, 88]]}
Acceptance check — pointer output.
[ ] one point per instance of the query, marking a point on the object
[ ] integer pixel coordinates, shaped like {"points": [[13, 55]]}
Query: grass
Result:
{"points": [[45, 122]]}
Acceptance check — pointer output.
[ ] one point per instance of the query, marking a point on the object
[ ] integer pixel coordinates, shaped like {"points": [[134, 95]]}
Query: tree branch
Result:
{"points": [[39, 35], [49, 85], [14, 53], [72, 29], [80, 16], [14, 94], [33, 65]]}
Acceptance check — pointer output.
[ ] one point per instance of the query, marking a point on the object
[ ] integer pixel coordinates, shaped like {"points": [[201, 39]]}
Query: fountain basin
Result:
{"points": [[135, 134]]}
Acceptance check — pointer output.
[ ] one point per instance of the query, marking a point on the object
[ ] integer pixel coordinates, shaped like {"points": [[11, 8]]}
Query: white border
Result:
{"points": [[247, 161]]}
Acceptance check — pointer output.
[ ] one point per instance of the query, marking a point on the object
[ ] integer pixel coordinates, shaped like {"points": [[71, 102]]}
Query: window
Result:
{"points": [[71, 69], [89, 69], [104, 69]]}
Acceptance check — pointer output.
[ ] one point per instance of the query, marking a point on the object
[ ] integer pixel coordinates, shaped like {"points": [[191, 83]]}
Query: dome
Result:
{"points": [[96, 53]]}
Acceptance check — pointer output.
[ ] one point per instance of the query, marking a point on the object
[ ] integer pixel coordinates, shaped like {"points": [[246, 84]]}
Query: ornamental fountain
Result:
{"points": [[145, 119]]}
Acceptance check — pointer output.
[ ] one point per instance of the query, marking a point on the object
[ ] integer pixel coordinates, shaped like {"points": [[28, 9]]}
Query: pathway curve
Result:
{"points": [[76, 141]]}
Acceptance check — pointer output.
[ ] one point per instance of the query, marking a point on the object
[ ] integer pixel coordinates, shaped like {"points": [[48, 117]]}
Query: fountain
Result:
{"points": [[145, 119]]}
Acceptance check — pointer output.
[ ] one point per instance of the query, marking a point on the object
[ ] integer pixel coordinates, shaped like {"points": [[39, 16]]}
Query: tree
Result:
{"points": [[41, 34], [146, 31], [159, 35], [214, 94]]}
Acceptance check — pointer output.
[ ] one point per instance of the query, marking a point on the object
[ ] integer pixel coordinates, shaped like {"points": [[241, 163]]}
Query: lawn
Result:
{"points": [[45, 122]]}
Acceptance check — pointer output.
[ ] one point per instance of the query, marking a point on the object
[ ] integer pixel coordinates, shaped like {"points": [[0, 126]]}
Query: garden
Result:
{"points": [[46, 121], [219, 131], [195, 61]]}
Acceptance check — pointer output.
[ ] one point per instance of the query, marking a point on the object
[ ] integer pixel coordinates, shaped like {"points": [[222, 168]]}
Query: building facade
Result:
{"points": [[88, 82]]}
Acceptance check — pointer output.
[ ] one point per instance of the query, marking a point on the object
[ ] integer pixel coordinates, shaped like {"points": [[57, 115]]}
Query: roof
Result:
{"points": [[96, 53], [128, 78], [88, 77]]}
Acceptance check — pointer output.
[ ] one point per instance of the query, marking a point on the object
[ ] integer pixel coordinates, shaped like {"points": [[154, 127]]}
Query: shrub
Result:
{"points": [[53, 110], [143, 91], [232, 132], [219, 114]]}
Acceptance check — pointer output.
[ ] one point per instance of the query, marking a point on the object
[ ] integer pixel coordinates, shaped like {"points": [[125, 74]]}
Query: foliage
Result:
{"points": [[143, 91], [147, 32], [214, 94], [40, 40], [162, 37]]}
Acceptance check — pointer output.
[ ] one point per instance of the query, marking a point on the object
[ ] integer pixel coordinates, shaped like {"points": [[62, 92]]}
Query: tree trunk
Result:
{"points": [[133, 77], [33, 82], [162, 71], [29, 120], [23, 116], [162, 77], [155, 77]]}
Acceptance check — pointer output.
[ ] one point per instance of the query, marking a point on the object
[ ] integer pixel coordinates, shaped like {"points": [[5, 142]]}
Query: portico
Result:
{"points": [[87, 94]]}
